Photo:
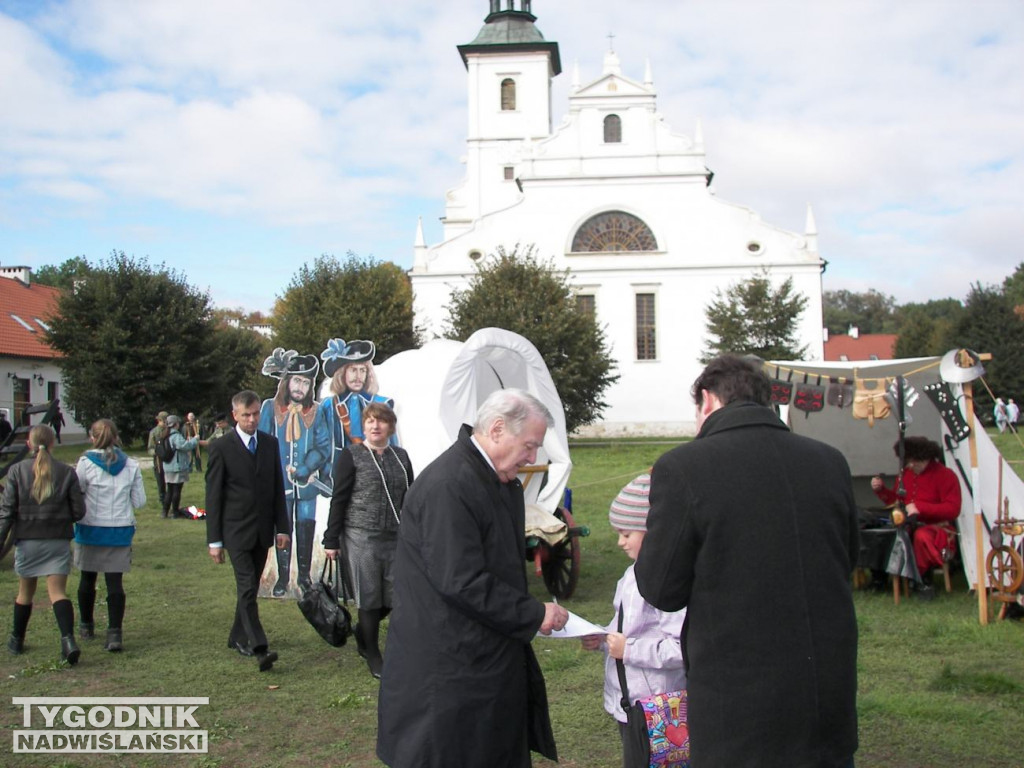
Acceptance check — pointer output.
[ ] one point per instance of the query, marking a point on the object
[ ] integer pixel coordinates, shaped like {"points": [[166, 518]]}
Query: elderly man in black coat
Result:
{"points": [[461, 687], [754, 530]]}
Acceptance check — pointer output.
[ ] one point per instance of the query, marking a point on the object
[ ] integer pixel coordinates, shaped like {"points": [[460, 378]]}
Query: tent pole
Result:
{"points": [[979, 528]]}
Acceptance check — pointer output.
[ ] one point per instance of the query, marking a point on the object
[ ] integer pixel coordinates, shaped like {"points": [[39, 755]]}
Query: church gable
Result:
{"points": [[611, 86]]}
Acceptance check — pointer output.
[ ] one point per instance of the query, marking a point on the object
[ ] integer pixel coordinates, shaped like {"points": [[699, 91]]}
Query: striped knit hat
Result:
{"points": [[629, 510]]}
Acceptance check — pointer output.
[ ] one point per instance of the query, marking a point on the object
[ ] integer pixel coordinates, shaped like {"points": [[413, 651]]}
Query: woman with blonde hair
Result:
{"points": [[41, 502], [112, 484]]}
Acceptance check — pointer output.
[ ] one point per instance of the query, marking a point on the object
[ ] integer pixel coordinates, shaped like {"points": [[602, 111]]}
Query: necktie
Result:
{"points": [[252, 445]]}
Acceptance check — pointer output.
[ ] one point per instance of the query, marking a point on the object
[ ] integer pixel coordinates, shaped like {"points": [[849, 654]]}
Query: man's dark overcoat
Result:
{"points": [[754, 530], [461, 687]]}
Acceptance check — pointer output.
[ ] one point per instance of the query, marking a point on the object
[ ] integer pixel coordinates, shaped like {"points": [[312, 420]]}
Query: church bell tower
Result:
{"points": [[509, 68]]}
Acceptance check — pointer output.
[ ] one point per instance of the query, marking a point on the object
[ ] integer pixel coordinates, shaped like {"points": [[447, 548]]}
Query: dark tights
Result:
{"points": [[87, 597], [173, 499]]}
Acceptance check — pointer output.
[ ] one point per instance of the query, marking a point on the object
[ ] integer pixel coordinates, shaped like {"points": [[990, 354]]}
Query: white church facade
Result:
{"points": [[617, 198]]}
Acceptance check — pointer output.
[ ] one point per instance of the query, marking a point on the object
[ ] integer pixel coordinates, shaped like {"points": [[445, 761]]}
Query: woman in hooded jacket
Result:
{"points": [[112, 484], [176, 470]]}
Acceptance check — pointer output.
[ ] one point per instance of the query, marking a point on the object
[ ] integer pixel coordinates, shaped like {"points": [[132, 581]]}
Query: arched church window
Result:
{"points": [[508, 94], [612, 129], [613, 231]]}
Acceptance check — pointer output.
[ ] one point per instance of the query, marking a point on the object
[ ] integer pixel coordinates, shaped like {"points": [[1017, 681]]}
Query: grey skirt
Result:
{"points": [[103, 559], [42, 557], [370, 558]]}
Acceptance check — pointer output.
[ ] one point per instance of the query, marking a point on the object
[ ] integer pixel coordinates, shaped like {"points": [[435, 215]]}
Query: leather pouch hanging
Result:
{"points": [[840, 392], [782, 390], [809, 398], [869, 400]]}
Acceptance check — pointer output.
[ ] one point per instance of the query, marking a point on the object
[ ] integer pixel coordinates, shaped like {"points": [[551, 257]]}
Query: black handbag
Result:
{"points": [[320, 605], [656, 734]]}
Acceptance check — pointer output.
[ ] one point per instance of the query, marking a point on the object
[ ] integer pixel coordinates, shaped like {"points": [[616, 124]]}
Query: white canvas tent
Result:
{"points": [[439, 387], [869, 449]]}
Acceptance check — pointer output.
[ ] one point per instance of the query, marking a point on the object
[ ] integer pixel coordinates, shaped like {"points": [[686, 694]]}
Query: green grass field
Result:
{"points": [[936, 688]]}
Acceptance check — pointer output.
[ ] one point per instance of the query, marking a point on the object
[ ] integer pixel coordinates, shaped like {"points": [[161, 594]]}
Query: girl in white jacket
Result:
{"points": [[112, 484], [648, 644]]}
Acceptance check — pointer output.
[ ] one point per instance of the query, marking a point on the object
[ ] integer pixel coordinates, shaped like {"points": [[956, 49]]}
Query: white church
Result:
{"points": [[620, 200]]}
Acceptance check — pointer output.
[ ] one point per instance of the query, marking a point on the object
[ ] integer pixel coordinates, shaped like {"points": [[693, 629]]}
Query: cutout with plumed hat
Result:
{"points": [[340, 353], [629, 510]]}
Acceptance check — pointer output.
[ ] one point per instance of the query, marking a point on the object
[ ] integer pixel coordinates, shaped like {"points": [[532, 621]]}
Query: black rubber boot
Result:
{"points": [[115, 613], [284, 571], [304, 534], [86, 604], [369, 629], [22, 613], [64, 612]]}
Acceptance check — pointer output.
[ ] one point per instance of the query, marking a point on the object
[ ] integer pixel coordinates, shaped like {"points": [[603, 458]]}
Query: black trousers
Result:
{"points": [[248, 567]]}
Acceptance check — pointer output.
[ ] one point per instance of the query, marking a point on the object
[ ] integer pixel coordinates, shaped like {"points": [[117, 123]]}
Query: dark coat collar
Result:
{"points": [[739, 415]]}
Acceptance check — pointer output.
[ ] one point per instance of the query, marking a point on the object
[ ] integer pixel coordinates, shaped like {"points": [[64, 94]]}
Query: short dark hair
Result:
{"points": [[919, 448], [732, 378], [244, 399]]}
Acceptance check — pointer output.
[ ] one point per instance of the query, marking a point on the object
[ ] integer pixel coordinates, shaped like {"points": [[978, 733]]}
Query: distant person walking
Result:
{"points": [[1000, 414], [1012, 413], [158, 466], [42, 500], [112, 484], [176, 470], [58, 423], [5, 427]]}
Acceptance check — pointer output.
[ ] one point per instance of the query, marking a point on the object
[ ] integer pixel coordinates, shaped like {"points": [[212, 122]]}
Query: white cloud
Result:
{"points": [[902, 124]]}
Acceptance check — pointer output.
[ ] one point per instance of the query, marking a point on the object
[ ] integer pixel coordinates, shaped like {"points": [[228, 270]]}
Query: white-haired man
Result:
{"points": [[461, 687]]}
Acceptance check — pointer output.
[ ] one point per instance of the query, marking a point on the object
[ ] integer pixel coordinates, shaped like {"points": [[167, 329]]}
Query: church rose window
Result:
{"points": [[508, 94], [613, 231]]}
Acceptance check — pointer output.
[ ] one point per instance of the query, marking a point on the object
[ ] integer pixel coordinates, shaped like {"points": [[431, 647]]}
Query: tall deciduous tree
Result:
{"points": [[869, 312], [355, 299], [516, 292], [137, 339], [65, 274], [989, 324], [927, 329], [753, 317]]}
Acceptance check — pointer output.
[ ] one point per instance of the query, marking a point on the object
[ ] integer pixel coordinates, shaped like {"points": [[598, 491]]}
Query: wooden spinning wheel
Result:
{"points": [[1005, 569]]}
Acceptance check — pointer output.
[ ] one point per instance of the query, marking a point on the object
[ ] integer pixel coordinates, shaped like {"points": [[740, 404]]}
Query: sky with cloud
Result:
{"points": [[235, 140]]}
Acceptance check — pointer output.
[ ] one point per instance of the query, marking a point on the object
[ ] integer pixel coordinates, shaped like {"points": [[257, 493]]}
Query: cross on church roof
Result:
{"points": [[611, 38]]}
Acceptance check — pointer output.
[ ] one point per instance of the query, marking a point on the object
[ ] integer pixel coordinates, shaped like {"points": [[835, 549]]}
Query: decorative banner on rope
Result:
{"points": [[942, 396], [782, 391]]}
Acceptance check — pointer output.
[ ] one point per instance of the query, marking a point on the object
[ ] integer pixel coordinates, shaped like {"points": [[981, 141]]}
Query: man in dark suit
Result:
{"points": [[245, 506], [754, 530]]}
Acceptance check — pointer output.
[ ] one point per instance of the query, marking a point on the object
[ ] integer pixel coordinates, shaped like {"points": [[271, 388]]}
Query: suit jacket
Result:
{"points": [[244, 493], [754, 530]]}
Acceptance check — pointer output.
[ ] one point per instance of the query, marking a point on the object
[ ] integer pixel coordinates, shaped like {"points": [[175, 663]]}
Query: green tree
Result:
{"points": [[516, 292], [355, 299], [1013, 287], [63, 275], [870, 312], [752, 317], [989, 324], [136, 339], [927, 329]]}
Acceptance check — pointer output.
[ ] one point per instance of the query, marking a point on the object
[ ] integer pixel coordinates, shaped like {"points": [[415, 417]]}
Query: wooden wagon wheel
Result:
{"points": [[561, 568], [1005, 569]]}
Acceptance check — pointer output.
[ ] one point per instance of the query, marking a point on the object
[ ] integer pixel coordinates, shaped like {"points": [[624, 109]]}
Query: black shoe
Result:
{"points": [[15, 644], [375, 663], [266, 660], [242, 649], [113, 644], [87, 630], [925, 592], [280, 588], [69, 650]]}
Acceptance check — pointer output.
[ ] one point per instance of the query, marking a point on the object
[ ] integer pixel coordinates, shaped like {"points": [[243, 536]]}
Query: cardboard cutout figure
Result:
{"points": [[352, 384], [294, 417]]}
